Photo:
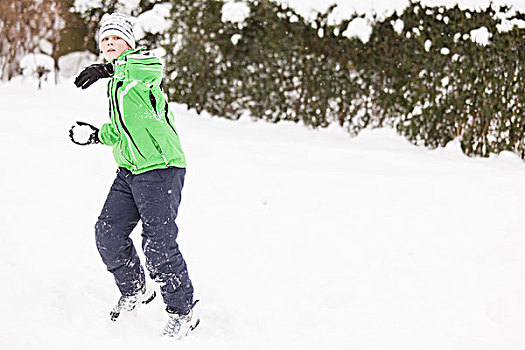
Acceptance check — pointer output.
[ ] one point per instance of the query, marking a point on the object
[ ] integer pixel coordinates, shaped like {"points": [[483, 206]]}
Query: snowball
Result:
{"points": [[81, 133]]}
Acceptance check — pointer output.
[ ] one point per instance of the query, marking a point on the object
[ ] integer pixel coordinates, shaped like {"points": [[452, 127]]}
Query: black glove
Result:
{"points": [[93, 73], [84, 134]]}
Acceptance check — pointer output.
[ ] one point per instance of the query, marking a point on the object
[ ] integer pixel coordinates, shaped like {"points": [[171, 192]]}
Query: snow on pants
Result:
{"points": [[152, 197]]}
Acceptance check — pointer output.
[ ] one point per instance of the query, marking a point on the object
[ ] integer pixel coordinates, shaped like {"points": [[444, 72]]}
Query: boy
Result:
{"points": [[149, 181]]}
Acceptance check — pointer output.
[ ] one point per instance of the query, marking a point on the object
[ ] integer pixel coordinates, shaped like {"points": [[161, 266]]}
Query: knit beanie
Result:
{"points": [[117, 24]]}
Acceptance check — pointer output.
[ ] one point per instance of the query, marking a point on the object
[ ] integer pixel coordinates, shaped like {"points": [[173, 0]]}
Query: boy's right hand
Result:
{"points": [[84, 134], [93, 73]]}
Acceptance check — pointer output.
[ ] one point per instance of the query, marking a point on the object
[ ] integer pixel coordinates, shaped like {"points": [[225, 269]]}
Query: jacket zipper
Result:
{"points": [[113, 118], [119, 84]]}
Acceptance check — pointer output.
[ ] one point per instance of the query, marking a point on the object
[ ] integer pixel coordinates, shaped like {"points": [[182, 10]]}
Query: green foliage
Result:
{"points": [[458, 89], [429, 80]]}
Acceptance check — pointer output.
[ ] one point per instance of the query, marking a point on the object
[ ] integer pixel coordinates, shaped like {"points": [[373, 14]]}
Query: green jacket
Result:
{"points": [[141, 130]]}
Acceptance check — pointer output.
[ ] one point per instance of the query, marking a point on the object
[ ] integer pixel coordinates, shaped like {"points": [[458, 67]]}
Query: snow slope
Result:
{"points": [[293, 237]]}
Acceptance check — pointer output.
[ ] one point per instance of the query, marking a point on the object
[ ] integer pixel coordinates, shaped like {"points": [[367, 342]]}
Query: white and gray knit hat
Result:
{"points": [[117, 24]]}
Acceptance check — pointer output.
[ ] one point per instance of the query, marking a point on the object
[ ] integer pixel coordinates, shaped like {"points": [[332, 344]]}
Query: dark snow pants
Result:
{"points": [[152, 197]]}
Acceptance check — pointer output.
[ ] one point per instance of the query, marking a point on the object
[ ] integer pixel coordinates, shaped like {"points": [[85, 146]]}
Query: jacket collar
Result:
{"points": [[129, 52]]}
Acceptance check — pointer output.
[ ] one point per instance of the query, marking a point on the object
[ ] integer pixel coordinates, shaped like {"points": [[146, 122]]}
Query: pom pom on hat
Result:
{"points": [[117, 24]]}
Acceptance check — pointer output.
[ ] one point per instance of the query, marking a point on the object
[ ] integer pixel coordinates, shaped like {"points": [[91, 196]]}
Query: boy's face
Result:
{"points": [[113, 46]]}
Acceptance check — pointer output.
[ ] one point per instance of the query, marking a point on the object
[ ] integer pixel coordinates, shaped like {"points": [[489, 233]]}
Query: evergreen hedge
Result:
{"points": [[428, 80]]}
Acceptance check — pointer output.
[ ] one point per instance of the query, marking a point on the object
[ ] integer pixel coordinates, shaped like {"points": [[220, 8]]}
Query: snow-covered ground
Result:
{"points": [[294, 237]]}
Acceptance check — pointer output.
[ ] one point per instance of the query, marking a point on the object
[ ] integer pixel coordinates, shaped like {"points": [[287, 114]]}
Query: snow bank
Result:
{"points": [[72, 63], [32, 64]]}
